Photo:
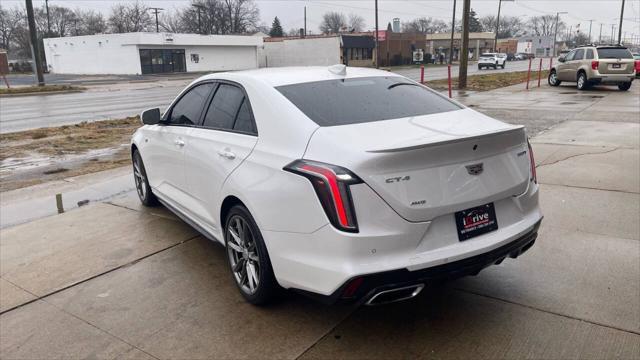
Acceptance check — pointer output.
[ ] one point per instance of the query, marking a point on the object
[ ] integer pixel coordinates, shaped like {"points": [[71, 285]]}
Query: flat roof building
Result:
{"points": [[150, 53]]}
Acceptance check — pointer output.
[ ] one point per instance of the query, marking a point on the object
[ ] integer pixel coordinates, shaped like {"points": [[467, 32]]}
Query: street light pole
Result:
{"points": [[600, 37], [198, 8], [590, 23], [453, 31], [620, 27], [555, 33]]}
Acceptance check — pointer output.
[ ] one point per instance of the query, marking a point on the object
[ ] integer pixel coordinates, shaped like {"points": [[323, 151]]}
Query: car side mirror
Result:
{"points": [[150, 116], [561, 59]]}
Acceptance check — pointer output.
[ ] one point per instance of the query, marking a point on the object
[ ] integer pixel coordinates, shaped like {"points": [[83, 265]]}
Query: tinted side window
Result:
{"points": [[224, 107], [188, 109], [589, 54], [244, 120], [579, 54]]}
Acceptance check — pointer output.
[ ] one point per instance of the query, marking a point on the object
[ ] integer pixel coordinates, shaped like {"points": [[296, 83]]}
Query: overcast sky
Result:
{"points": [[291, 12]]}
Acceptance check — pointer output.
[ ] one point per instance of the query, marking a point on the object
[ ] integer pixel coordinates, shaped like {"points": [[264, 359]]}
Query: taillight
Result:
{"points": [[532, 165], [594, 64], [331, 184]]}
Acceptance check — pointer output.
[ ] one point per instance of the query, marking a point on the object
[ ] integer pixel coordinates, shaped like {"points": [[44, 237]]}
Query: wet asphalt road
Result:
{"points": [[119, 100]]}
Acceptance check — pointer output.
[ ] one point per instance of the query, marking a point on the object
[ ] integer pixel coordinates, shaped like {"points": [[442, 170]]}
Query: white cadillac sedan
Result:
{"points": [[340, 183]]}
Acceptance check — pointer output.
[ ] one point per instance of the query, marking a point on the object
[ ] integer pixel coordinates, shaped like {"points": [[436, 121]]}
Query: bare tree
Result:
{"points": [[510, 26], [333, 22], [11, 21], [544, 25], [356, 23], [88, 22], [425, 25], [222, 17], [171, 21], [242, 16], [130, 17]]}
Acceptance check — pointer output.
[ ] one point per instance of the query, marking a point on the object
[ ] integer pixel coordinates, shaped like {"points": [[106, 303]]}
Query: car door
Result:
{"points": [[574, 65], [218, 146], [165, 143], [563, 67]]}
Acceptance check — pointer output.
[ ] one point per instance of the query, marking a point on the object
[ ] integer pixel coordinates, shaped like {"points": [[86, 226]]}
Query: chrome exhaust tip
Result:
{"points": [[393, 295]]}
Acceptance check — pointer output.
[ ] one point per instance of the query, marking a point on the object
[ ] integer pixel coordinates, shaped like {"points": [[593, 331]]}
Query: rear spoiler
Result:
{"points": [[448, 141]]}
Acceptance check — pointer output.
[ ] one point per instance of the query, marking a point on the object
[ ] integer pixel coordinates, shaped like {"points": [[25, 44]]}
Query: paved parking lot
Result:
{"points": [[115, 280]]}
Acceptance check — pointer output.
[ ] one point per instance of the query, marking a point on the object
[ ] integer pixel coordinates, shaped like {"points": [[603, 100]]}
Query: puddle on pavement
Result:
{"points": [[568, 103]]}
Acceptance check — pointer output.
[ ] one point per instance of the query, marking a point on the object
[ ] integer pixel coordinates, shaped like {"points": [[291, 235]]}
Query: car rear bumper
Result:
{"points": [[371, 284], [612, 79]]}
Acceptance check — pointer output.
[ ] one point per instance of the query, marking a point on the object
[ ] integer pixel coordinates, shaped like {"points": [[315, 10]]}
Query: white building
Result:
{"points": [[147, 53], [309, 51], [540, 46]]}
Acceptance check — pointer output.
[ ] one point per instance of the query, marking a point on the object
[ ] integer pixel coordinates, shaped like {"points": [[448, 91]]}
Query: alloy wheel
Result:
{"points": [[553, 78], [140, 178], [243, 255], [580, 82]]}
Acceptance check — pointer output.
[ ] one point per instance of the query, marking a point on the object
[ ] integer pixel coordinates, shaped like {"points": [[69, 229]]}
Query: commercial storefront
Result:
{"points": [[150, 53]]}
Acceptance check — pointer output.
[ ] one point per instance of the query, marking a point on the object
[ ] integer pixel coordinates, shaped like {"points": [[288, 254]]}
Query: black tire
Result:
{"points": [[552, 79], [625, 86], [146, 196], [267, 288], [503, 64], [479, 67], [582, 82]]}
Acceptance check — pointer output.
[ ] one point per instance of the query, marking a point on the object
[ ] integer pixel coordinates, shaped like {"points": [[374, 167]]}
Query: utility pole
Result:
{"points": [[613, 31], [198, 8], [156, 10], [600, 37], [453, 31], [620, 27], [590, 23], [555, 33], [305, 21], [464, 57], [33, 36], [495, 41], [377, 40], [46, 5]]}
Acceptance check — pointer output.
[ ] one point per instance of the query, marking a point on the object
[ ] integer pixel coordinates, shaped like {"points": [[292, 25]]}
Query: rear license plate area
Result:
{"points": [[616, 66], [476, 221]]}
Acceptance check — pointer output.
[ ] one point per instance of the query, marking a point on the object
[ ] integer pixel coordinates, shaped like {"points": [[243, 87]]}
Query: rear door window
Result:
{"points": [[366, 99], [589, 54], [244, 119], [614, 53], [224, 107], [188, 109]]}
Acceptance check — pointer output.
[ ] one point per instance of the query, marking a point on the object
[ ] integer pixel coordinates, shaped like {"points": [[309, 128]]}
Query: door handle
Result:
{"points": [[179, 142], [227, 154]]}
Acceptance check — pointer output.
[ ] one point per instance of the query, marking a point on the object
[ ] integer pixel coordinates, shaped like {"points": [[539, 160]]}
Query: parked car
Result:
{"points": [[511, 57], [493, 60], [341, 183], [591, 65], [520, 56], [636, 57]]}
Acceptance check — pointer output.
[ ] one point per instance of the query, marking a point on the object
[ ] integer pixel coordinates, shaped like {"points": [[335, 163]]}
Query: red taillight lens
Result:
{"points": [[532, 162], [331, 184], [594, 64]]}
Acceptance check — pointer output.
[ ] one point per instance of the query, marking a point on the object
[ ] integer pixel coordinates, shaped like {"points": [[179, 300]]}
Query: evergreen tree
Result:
{"points": [[276, 28], [474, 22]]}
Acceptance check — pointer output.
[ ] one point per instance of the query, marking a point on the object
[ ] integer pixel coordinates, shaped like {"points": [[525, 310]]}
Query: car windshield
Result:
{"points": [[361, 100], [614, 53]]}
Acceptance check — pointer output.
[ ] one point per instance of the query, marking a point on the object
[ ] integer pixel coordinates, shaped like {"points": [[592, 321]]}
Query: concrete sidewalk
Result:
{"points": [[117, 280]]}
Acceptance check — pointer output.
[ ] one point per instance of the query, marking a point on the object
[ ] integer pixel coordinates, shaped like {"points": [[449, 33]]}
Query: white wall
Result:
{"points": [[91, 56], [119, 53], [300, 52]]}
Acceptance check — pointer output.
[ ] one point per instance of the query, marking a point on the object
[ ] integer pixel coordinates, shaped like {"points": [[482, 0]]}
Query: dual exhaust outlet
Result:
{"points": [[393, 295]]}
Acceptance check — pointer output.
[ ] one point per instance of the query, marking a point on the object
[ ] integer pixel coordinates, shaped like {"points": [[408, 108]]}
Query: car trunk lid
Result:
{"points": [[427, 166]]}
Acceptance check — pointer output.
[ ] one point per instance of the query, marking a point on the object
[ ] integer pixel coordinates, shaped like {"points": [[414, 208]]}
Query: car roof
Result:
{"points": [[294, 75]]}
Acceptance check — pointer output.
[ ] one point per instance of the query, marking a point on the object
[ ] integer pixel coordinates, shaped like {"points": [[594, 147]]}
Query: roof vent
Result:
{"points": [[338, 69]]}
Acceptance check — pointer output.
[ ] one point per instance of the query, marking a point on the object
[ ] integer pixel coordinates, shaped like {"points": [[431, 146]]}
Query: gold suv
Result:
{"points": [[591, 65]]}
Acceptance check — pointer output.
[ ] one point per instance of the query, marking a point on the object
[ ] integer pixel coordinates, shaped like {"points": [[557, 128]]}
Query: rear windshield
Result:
{"points": [[488, 54], [614, 53], [361, 100]]}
